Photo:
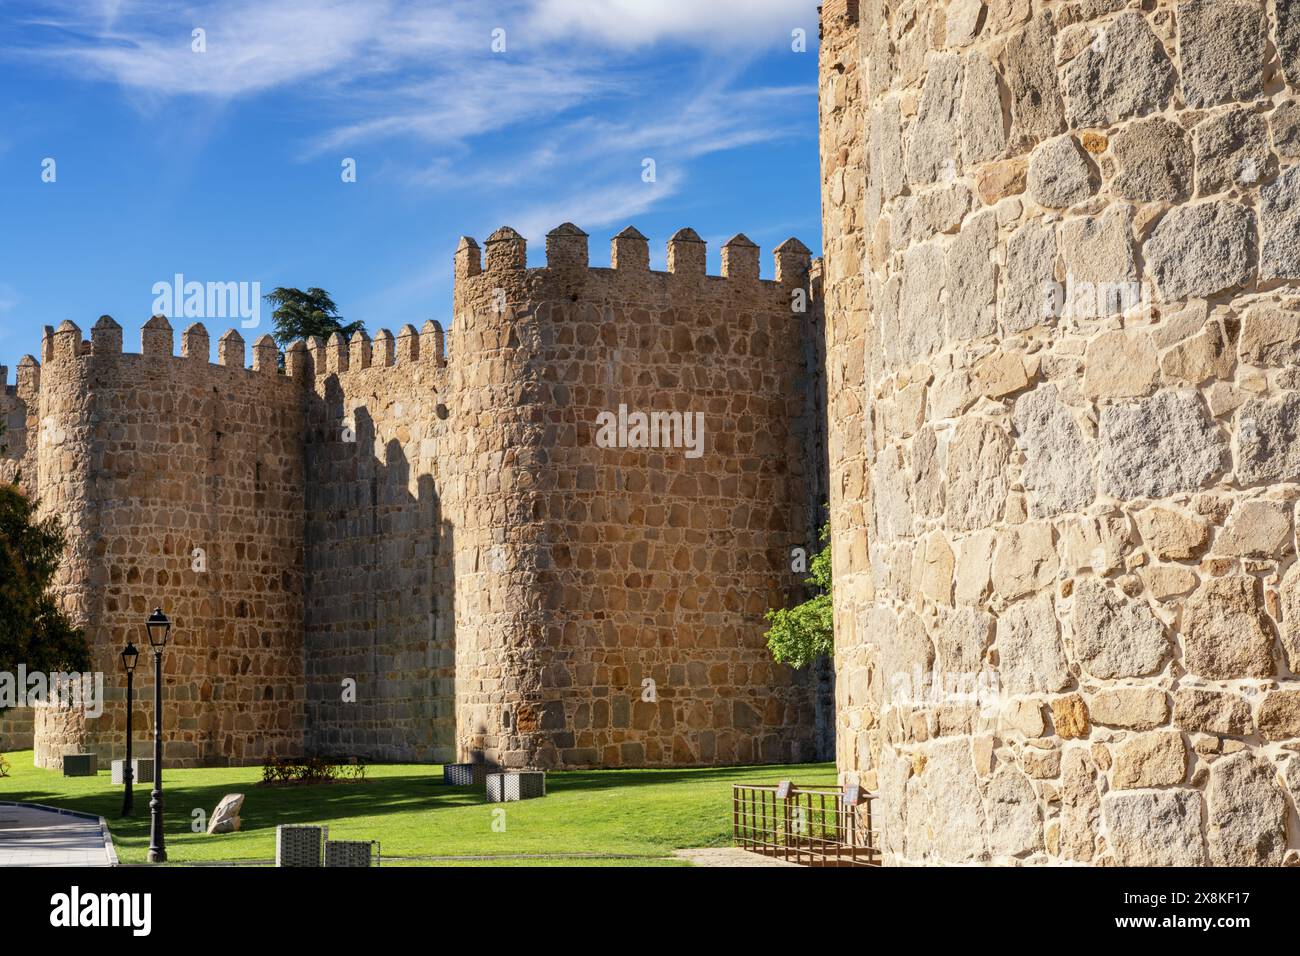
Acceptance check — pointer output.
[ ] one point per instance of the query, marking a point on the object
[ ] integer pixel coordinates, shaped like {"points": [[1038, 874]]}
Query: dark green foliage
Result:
{"points": [[33, 630], [309, 770], [306, 315]]}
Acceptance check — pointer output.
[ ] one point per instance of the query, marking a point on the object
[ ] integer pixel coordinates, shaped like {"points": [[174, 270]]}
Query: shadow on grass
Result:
{"points": [[264, 807], [401, 789]]}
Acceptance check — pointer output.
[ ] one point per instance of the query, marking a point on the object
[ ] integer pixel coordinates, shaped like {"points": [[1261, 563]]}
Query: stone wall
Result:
{"points": [[382, 553], [181, 485], [17, 729], [379, 547], [609, 600], [16, 451], [1062, 247], [17, 462]]}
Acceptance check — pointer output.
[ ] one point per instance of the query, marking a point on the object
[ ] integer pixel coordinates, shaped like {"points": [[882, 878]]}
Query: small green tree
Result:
{"points": [[801, 634], [33, 629], [305, 315]]}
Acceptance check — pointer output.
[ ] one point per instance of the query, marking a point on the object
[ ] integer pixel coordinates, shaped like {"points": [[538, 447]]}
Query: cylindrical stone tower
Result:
{"points": [[611, 583], [500, 448], [179, 484], [1062, 248], [65, 477]]}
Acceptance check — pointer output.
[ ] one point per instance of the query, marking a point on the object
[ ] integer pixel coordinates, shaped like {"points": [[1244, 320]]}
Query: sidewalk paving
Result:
{"points": [[728, 856], [32, 835]]}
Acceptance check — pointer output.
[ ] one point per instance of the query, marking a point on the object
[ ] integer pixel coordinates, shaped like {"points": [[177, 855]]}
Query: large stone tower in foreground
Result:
{"points": [[1062, 255]]}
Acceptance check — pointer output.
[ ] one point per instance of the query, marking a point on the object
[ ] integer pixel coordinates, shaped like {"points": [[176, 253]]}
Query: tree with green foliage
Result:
{"points": [[306, 315], [801, 634], [33, 629]]}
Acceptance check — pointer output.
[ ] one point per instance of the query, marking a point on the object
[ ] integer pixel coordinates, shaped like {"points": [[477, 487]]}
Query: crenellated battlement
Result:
{"points": [[505, 273], [302, 362], [408, 350], [66, 344], [839, 14], [567, 257]]}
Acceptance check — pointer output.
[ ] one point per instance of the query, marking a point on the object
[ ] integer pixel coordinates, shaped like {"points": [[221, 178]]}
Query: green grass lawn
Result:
{"points": [[642, 815]]}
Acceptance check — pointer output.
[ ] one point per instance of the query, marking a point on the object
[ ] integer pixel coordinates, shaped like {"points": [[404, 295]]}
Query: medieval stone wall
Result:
{"points": [[181, 486], [383, 553], [18, 463], [1063, 241], [609, 600], [379, 548], [17, 415]]}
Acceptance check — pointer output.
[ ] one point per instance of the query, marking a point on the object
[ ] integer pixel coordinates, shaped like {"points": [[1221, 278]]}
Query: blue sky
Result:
{"points": [[225, 165]]}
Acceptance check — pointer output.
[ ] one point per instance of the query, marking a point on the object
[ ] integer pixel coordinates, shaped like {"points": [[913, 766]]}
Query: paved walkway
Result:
{"points": [[32, 835], [729, 856]]}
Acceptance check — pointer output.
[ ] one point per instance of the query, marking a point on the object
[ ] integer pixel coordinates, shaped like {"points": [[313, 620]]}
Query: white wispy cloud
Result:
{"points": [[592, 209], [576, 93], [713, 24], [250, 47], [442, 110]]}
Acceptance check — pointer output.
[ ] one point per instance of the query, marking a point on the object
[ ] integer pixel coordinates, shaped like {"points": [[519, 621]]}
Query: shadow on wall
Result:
{"points": [[380, 632]]}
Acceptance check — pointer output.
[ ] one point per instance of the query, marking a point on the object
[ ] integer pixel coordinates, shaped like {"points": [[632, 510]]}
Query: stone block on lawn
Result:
{"points": [[520, 785], [225, 818], [80, 765]]}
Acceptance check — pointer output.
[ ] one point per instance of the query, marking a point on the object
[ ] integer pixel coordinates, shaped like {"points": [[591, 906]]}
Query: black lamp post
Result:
{"points": [[129, 656], [159, 629]]}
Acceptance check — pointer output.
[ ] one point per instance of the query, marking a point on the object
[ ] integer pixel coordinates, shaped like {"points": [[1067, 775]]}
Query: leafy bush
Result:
{"points": [[309, 770], [801, 634]]}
